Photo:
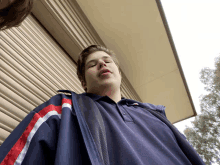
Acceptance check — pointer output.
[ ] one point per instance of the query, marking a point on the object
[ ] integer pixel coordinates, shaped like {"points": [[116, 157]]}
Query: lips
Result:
{"points": [[104, 71]]}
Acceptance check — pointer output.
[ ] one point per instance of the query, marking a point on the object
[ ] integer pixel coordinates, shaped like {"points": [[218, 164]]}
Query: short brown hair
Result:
{"points": [[84, 55], [15, 13]]}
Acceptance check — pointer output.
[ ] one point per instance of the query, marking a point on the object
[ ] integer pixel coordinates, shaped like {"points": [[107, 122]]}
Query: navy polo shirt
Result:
{"points": [[135, 136]]}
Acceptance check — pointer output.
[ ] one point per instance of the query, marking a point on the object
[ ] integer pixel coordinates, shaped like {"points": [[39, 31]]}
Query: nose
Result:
{"points": [[101, 63]]}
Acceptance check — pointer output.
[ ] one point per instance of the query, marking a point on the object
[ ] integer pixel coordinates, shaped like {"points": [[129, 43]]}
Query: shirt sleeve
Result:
{"points": [[33, 141]]}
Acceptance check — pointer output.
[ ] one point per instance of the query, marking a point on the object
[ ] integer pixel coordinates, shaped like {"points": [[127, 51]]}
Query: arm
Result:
{"points": [[33, 141]]}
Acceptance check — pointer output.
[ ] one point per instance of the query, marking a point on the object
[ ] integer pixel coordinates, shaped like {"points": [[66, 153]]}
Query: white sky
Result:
{"points": [[195, 28]]}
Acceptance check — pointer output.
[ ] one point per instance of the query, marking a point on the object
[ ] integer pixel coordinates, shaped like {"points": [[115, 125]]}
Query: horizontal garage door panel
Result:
{"points": [[10, 106], [16, 99], [20, 89], [6, 120]]}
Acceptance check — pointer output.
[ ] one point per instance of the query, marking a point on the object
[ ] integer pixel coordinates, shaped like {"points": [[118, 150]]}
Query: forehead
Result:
{"points": [[97, 55]]}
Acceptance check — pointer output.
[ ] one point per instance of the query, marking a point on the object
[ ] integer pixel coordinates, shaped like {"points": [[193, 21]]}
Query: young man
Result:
{"points": [[97, 127], [13, 12]]}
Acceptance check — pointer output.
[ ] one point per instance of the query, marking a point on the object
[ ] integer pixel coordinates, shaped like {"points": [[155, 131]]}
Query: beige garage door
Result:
{"points": [[33, 68]]}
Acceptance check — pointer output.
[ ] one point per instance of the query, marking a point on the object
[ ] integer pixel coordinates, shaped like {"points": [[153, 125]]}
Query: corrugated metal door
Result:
{"points": [[33, 68]]}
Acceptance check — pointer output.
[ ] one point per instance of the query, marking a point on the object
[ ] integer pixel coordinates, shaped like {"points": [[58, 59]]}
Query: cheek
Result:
{"points": [[90, 74]]}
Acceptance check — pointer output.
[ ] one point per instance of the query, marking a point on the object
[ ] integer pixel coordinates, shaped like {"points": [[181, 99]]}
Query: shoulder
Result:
{"points": [[158, 108], [148, 106], [54, 102]]}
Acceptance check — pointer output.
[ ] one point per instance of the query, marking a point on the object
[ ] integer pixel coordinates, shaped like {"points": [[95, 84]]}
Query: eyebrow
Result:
{"points": [[104, 57]]}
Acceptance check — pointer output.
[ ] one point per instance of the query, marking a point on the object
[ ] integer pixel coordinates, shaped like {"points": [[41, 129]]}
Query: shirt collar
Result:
{"points": [[130, 102], [95, 97]]}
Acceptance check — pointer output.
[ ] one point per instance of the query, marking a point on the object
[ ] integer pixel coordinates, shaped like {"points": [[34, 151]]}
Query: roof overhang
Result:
{"points": [[138, 33]]}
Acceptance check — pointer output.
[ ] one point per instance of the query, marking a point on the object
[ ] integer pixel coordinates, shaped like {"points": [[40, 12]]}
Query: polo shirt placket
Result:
{"points": [[126, 116]]}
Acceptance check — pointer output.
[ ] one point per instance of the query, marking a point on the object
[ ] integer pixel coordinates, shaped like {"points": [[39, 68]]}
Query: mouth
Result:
{"points": [[105, 73]]}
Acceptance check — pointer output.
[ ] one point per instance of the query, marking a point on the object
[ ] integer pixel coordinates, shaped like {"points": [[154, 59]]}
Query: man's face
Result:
{"points": [[5, 3], [95, 63]]}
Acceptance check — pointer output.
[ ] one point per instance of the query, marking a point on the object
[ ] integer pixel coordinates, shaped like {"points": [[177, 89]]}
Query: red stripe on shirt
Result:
{"points": [[67, 101], [19, 145]]}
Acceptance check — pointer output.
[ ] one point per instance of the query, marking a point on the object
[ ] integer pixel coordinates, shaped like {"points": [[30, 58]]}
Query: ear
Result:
{"points": [[120, 74], [83, 84]]}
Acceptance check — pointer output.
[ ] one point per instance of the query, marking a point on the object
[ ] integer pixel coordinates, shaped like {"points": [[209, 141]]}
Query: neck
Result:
{"points": [[114, 94]]}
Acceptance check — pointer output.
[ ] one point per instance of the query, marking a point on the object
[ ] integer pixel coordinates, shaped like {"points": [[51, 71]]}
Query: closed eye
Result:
{"points": [[92, 66], [107, 61], [95, 64]]}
